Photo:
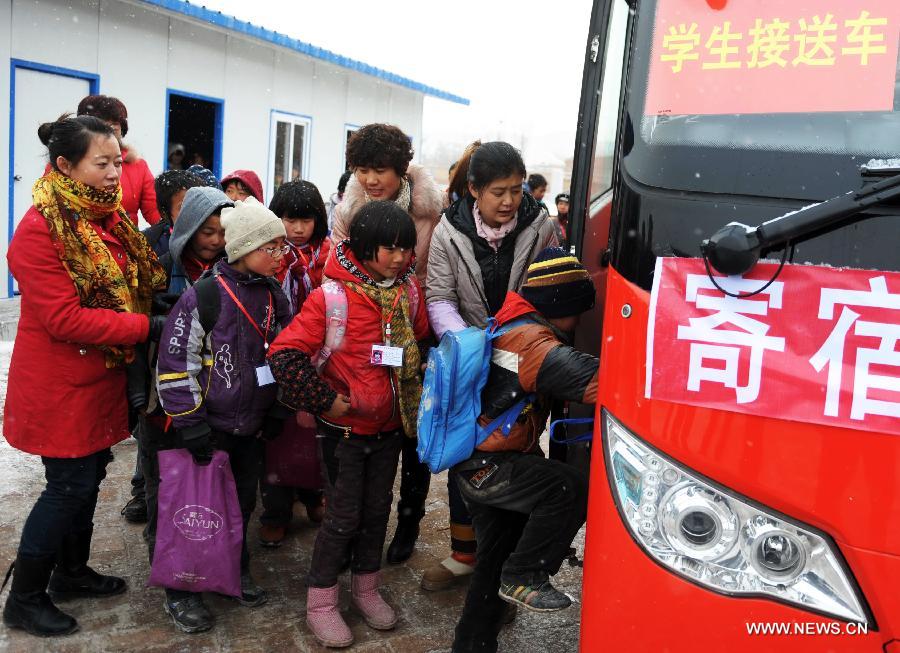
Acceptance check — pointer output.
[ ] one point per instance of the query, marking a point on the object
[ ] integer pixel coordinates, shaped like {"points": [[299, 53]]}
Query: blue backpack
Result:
{"points": [[457, 372]]}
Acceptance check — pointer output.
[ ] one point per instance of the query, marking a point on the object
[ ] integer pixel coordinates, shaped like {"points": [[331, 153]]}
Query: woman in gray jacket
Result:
{"points": [[480, 250]]}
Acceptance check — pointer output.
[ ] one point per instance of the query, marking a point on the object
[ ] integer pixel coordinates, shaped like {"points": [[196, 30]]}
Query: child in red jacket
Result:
{"points": [[241, 184], [300, 207], [366, 401]]}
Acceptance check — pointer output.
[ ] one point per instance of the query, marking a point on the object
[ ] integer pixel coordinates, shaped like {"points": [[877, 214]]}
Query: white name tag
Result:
{"points": [[264, 375], [387, 356]]}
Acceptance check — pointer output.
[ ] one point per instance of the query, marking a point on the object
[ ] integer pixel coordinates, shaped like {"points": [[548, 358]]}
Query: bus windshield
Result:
{"points": [[742, 111], [774, 99]]}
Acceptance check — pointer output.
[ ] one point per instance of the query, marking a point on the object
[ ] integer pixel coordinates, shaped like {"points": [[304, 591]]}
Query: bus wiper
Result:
{"points": [[736, 247]]}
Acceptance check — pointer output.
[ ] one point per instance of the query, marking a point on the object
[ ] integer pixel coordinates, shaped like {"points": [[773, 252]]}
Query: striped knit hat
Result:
{"points": [[558, 285]]}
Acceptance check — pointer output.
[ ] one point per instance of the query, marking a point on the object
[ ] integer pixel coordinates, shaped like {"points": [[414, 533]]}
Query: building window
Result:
{"points": [[289, 149], [349, 130]]}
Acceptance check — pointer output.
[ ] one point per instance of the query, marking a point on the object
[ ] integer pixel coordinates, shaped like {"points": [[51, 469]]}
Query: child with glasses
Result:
{"points": [[213, 379]]}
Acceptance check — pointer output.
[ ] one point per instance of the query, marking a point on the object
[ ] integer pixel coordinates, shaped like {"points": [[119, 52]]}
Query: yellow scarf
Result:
{"points": [[69, 207], [408, 378]]}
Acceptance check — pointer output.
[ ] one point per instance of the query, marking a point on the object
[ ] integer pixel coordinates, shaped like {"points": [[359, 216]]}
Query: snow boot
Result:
{"points": [[72, 577], [29, 606], [404, 542], [447, 573], [252, 595], [324, 619], [369, 602]]}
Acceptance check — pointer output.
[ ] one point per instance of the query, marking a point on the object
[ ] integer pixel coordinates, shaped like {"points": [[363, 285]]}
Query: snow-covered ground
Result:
{"points": [[135, 621]]}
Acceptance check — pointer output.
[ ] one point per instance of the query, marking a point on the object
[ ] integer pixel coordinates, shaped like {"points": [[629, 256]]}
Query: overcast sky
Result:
{"points": [[519, 62]]}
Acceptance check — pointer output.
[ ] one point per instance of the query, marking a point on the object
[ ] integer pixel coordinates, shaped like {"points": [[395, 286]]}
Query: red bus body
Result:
{"points": [[631, 603], [843, 482]]}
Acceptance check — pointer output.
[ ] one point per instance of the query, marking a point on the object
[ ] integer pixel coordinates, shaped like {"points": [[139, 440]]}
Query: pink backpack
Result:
{"points": [[336, 316]]}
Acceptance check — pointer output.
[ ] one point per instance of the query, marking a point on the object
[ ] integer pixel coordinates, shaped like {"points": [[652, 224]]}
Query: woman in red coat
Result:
{"points": [[87, 277], [135, 178]]}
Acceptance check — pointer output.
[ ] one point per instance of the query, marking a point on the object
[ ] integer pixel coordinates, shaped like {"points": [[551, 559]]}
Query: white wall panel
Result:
{"points": [[293, 83], [248, 101], [56, 33], [133, 47], [362, 100], [196, 62], [330, 109]]}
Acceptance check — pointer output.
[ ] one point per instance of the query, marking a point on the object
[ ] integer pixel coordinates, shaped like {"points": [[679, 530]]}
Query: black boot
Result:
{"points": [[29, 607], [252, 595], [73, 578], [135, 511], [404, 542], [188, 611]]}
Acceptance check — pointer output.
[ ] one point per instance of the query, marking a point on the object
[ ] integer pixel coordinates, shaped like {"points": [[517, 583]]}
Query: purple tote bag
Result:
{"points": [[199, 529], [292, 459]]}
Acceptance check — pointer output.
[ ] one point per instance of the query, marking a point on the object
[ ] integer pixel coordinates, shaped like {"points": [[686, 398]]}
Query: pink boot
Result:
{"points": [[324, 619], [366, 598]]}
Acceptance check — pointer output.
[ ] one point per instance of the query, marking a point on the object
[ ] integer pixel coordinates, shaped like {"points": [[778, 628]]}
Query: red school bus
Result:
{"points": [[745, 471]]}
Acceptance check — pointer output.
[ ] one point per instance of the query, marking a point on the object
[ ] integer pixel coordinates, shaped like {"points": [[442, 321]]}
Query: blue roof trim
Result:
{"points": [[242, 27]]}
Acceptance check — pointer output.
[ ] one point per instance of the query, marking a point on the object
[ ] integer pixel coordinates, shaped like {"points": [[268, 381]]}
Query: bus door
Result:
{"points": [[593, 171]]}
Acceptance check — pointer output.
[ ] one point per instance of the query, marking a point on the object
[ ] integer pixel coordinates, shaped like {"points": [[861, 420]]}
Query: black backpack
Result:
{"points": [[208, 302]]}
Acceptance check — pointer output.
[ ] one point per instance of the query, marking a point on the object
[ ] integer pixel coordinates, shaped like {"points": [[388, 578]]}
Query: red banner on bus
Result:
{"points": [[817, 345], [772, 56]]}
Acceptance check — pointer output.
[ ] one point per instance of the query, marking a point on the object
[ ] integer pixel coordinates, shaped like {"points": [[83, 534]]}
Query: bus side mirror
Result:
{"points": [[733, 249]]}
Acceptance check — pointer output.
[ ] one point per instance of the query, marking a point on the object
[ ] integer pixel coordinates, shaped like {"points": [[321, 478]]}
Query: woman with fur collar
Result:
{"points": [[379, 156]]}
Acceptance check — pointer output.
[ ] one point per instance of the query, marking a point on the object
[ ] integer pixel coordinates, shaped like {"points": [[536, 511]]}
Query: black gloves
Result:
{"points": [[163, 302], [157, 322], [137, 381], [197, 440], [272, 427]]}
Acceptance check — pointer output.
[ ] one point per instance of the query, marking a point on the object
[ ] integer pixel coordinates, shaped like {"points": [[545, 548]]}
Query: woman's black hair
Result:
{"points": [[536, 181], [380, 146], [70, 137], [170, 182], [380, 224], [342, 182], [105, 107], [301, 199], [494, 160]]}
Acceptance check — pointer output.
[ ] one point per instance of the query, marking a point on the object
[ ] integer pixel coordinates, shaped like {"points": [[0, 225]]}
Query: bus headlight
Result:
{"points": [[723, 541]]}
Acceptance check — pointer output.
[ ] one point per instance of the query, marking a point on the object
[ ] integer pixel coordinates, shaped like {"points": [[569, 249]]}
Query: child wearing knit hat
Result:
{"points": [[228, 317], [527, 509]]}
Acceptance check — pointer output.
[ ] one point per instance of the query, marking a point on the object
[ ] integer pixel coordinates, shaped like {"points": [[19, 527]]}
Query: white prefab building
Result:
{"points": [[234, 95]]}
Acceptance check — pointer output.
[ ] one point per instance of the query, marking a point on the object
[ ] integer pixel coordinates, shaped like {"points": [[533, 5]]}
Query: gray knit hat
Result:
{"points": [[249, 225]]}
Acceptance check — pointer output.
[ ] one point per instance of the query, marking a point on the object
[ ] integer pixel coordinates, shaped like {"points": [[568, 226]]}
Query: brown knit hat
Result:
{"points": [[558, 285]]}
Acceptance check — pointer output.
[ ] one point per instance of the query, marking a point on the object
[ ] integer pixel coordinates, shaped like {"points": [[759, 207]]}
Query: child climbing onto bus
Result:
{"points": [[302, 210], [525, 508], [229, 317], [364, 408]]}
